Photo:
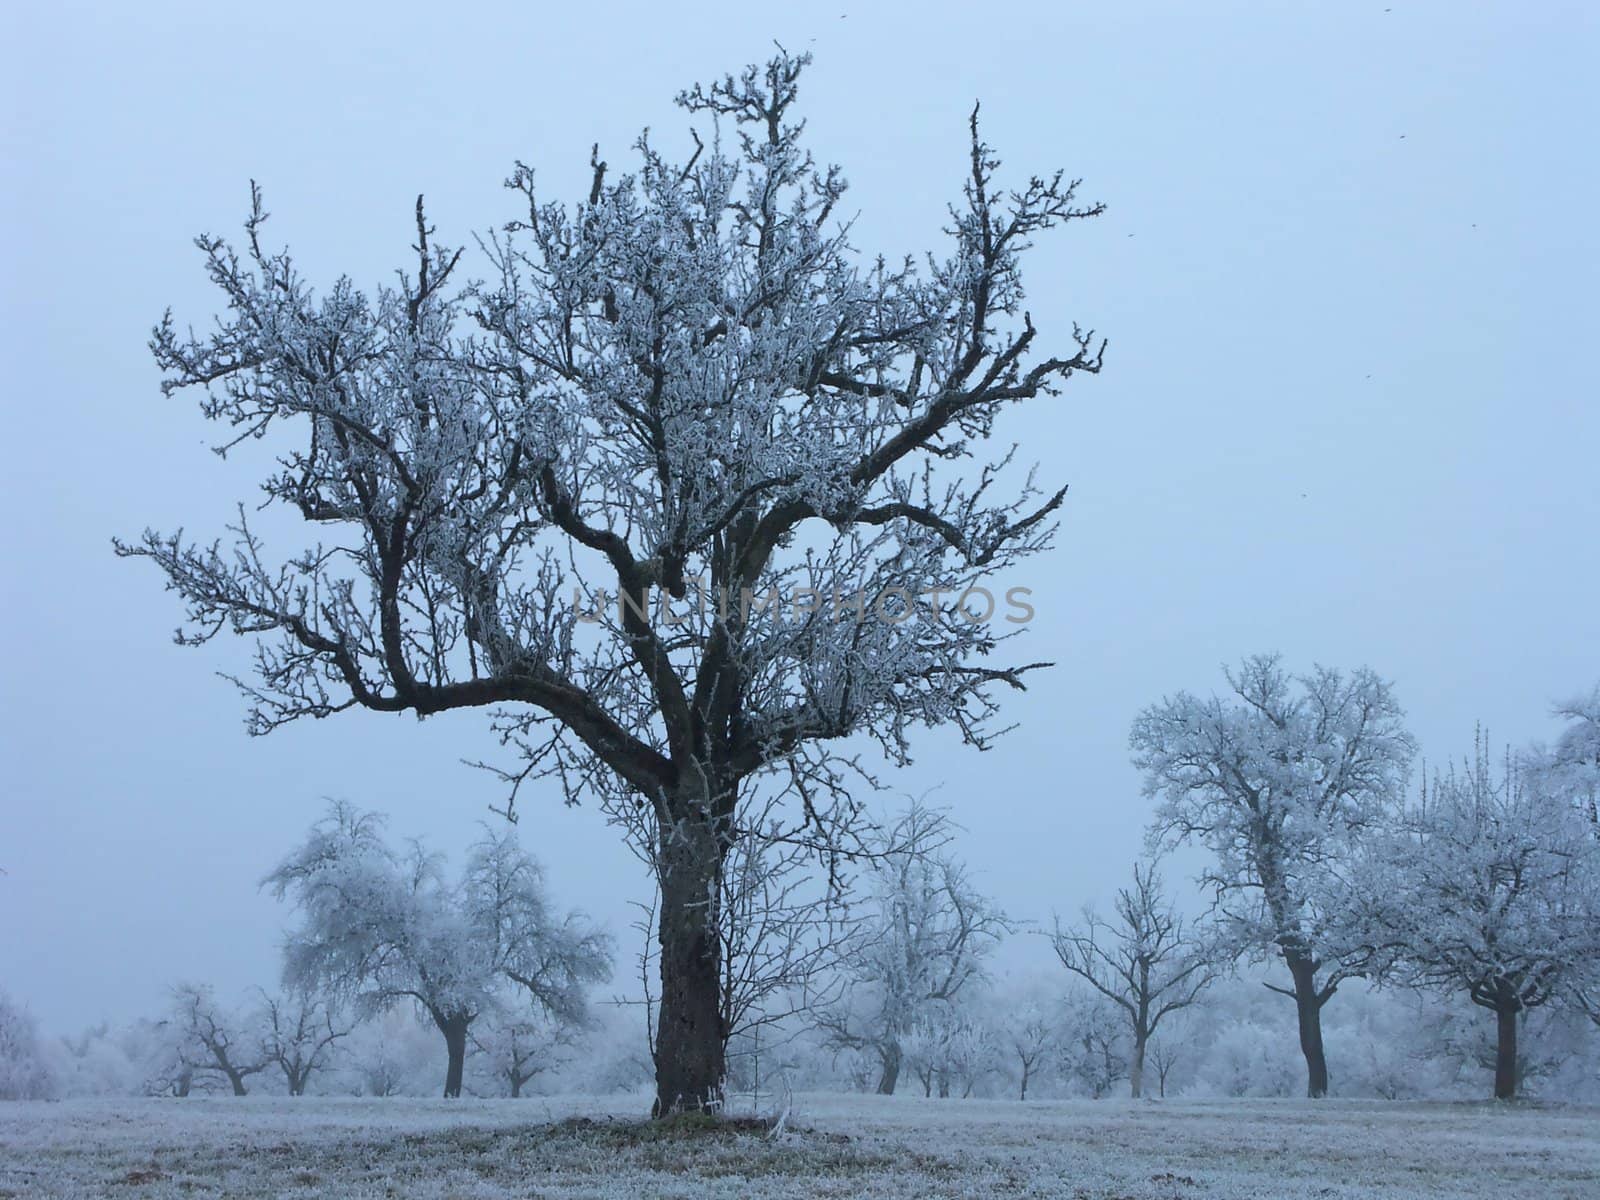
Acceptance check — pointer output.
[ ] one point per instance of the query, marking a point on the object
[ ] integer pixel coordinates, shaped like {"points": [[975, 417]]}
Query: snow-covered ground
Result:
{"points": [[842, 1146]]}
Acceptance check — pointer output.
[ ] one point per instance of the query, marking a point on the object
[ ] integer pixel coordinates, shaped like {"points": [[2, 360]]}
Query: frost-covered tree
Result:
{"points": [[1167, 1050], [926, 937], [513, 1049], [384, 927], [952, 1051], [1144, 960], [688, 489], [1276, 780], [1493, 890], [299, 1034], [394, 1054], [1094, 1047], [1571, 766], [96, 1062], [214, 1040], [24, 1071], [155, 1050], [1030, 1030]]}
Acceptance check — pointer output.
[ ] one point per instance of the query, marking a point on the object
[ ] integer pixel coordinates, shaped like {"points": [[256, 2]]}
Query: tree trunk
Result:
{"points": [[1024, 1094], [890, 1074], [1505, 1051], [1308, 1007], [1136, 1067], [237, 1080], [690, 1067], [455, 1042], [516, 1086]]}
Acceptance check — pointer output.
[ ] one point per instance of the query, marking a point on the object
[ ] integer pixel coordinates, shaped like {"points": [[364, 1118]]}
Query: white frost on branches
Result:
{"points": [[384, 927], [1278, 781], [922, 945]]}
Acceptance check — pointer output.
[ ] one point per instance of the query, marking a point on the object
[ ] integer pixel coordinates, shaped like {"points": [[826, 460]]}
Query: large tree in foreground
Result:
{"points": [[384, 928], [1278, 780], [689, 490]]}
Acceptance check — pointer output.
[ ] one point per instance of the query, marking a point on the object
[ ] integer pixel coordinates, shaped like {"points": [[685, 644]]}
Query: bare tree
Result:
{"points": [[516, 1049], [210, 1039], [927, 938], [1277, 781], [1163, 1054], [1144, 961], [1094, 1048], [299, 1033], [782, 932], [687, 389], [386, 928], [1032, 1033]]}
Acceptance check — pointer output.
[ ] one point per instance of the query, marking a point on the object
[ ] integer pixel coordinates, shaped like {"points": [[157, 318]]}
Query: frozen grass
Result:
{"points": [[841, 1146]]}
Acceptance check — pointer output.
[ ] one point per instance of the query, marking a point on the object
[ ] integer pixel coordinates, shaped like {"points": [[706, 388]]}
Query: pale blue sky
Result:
{"points": [[1349, 410]]}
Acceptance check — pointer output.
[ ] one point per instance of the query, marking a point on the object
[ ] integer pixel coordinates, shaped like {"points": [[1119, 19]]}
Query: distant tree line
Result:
{"points": [[1473, 888]]}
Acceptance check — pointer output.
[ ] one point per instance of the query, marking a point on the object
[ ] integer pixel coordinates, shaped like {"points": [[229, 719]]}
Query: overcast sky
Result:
{"points": [[1348, 273]]}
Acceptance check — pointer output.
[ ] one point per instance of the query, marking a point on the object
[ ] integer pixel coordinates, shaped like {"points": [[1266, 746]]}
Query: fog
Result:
{"points": [[1348, 410]]}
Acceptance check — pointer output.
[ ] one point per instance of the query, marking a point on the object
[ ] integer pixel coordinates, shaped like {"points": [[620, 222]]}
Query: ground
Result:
{"points": [[839, 1146]]}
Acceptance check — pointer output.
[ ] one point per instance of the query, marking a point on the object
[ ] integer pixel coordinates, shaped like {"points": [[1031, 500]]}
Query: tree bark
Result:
{"points": [[455, 1041], [690, 1066], [237, 1080], [889, 1077], [1308, 1007], [1136, 1068], [1505, 1051]]}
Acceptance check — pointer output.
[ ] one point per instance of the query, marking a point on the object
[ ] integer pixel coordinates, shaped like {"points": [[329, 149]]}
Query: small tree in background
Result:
{"points": [[514, 1049], [926, 937], [1493, 890], [1144, 961], [385, 927], [1031, 1033], [1571, 767], [24, 1073], [1094, 1046], [213, 1040], [1277, 781], [1167, 1049], [299, 1033]]}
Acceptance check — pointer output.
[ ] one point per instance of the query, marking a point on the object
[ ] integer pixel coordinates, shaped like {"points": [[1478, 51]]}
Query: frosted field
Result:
{"points": [[836, 1146]]}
